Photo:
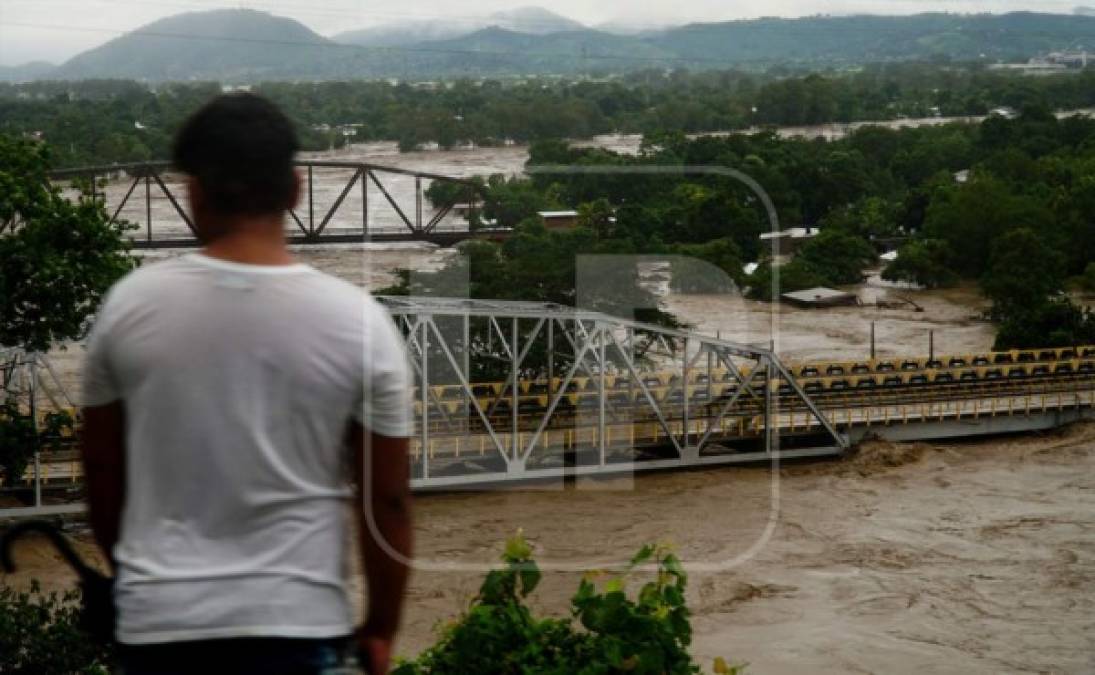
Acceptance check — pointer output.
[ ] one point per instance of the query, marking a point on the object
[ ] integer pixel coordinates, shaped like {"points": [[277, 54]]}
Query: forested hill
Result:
{"points": [[860, 39], [229, 44], [244, 45]]}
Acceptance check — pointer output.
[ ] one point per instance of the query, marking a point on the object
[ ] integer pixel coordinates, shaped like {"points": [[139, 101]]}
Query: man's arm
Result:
{"points": [[382, 475], [103, 444]]}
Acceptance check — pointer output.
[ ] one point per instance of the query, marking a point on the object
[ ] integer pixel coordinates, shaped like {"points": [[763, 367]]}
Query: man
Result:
{"points": [[222, 390]]}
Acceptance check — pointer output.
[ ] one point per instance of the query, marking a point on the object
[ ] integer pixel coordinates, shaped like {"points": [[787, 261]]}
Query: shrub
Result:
{"points": [[39, 635], [925, 262], [1087, 279], [19, 438], [614, 633]]}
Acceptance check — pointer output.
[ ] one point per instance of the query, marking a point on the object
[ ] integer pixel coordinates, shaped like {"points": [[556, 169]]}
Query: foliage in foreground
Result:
{"points": [[60, 256], [607, 632], [39, 635], [20, 439]]}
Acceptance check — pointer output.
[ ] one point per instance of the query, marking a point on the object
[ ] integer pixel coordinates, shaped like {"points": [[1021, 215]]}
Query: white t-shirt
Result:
{"points": [[239, 382]]}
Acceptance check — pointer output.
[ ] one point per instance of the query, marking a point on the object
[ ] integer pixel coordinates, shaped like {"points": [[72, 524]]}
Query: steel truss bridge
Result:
{"points": [[515, 391], [342, 202], [578, 393]]}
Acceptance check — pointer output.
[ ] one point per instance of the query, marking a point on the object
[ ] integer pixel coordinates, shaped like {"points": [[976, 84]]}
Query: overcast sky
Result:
{"points": [[54, 30]]}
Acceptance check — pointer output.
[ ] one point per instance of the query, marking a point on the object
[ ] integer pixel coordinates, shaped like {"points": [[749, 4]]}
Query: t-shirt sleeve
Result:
{"points": [[100, 383], [386, 406]]}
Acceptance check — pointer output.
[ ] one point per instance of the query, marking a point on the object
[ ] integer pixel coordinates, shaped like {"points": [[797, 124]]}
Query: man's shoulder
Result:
{"points": [[149, 273]]}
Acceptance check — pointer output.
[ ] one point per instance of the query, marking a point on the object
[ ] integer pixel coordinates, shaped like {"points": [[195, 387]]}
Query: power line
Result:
{"points": [[476, 19]]}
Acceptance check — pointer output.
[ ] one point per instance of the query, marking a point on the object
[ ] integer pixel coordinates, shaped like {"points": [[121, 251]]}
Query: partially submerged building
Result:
{"points": [[821, 296], [559, 220], [791, 239]]}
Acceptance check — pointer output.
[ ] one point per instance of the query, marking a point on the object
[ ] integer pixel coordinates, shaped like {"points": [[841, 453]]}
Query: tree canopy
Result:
{"points": [[59, 256]]}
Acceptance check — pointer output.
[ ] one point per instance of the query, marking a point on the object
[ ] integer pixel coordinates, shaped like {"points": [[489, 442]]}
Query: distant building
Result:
{"points": [[821, 297], [1068, 59], [1032, 68], [790, 239], [559, 220]]}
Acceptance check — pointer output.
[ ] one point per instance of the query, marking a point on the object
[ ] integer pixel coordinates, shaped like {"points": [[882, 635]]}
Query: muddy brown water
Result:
{"points": [[974, 557], [941, 558]]}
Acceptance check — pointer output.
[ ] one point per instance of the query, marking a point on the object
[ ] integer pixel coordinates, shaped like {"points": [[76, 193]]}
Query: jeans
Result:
{"points": [[240, 656]]}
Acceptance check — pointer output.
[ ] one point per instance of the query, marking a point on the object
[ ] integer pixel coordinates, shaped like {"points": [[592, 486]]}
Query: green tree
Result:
{"points": [[925, 262], [510, 201], [692, 270], [970, 217], [1022, 275], [1087, 279], [837, 257], [793, 276], [1055, 323], [59, 257], [40, 634], [598, 216], [608, 632]]}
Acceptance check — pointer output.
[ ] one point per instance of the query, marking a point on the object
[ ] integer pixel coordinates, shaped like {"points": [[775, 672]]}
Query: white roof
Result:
{"points": [[819, 293], [793, 233], [889, 255], [557, 214]]}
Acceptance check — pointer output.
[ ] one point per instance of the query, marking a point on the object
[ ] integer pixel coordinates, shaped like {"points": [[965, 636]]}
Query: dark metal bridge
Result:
{"points": [[343, 202]]}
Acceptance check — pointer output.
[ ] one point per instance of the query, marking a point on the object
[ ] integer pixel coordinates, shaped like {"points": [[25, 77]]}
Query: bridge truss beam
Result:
{"points": [[559, 398], [310, 222]]}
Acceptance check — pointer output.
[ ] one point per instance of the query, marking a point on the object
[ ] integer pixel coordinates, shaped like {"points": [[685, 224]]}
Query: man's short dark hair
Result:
{"points": [[240, 149]]}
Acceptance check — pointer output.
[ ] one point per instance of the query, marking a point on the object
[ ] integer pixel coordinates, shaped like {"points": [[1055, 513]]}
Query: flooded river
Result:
{"points": [[941, 558]]}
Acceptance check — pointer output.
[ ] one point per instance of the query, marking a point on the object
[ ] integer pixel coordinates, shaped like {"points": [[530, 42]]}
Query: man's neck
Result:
{"points": [[251, 244]]}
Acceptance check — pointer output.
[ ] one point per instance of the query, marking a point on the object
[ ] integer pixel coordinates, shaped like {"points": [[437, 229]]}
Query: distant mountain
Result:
{"points": [[861, 39], [243, 45], [496, 51], [219, 44], [25, 72], [531, 20]]}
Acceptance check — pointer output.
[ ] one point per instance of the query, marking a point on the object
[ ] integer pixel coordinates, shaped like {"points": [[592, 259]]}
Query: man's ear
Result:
{"points": [[298, 182], [194, 195]]}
